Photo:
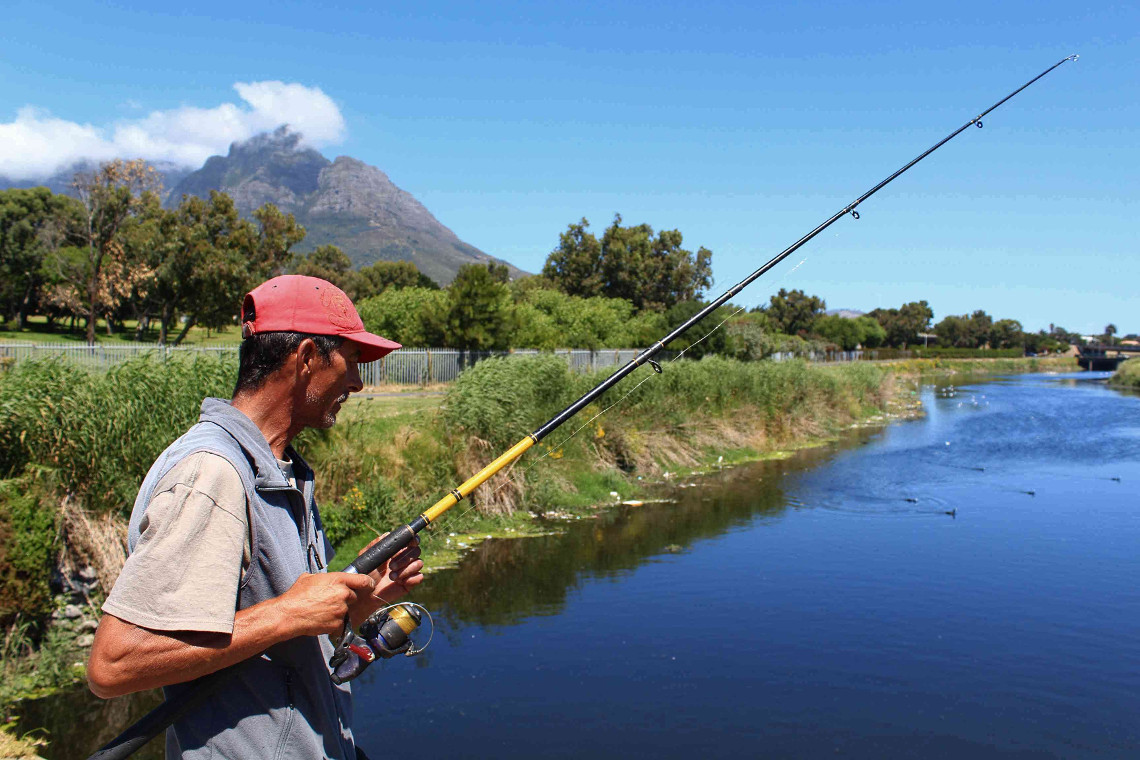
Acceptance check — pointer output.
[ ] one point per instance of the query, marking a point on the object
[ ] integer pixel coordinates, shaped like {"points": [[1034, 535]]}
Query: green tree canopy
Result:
{"points": [[1006, 333], [205, 257], [794, 312], [480, 315], [329, 263], [88, 257], [850, 334], [549, 319], [651, 271], [905, 323], [26, 219], [375, 278], [410, 316]]}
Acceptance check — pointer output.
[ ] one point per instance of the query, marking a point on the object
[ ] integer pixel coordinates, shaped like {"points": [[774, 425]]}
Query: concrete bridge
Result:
{"points": [[1101, 358]]}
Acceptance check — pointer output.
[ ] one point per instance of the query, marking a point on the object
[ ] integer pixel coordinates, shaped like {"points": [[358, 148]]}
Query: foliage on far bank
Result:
{"points": [[1127, 375]]}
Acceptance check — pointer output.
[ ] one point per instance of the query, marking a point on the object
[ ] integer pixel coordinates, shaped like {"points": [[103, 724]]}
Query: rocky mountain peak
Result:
{"points": [[345, 202]]}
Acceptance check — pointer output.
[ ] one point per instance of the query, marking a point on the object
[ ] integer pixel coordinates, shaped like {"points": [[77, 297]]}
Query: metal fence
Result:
{"points": [[101, 356], [408, 366], [420, 366]]}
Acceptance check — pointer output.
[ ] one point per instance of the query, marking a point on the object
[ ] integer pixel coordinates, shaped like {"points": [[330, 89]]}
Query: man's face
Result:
{"points": [[331, 383]]}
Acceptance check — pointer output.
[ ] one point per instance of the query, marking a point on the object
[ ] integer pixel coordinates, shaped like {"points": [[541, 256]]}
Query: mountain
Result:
{"points": [[60, 182], [845, 313], [344, 202]]}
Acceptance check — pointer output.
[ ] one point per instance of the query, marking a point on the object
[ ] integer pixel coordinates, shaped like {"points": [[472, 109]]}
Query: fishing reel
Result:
{"points": [[387, 633]]}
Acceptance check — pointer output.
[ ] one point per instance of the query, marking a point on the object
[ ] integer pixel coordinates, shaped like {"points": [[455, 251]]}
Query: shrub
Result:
{"points": [[27, 548], [501, 400], [1127, 374]]}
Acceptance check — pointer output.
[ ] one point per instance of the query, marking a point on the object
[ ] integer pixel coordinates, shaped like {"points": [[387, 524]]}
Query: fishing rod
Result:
{"points": [[375, 556]]}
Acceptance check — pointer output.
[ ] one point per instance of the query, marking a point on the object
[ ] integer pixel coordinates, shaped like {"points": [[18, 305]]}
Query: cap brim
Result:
{"points": [[372, 347]]}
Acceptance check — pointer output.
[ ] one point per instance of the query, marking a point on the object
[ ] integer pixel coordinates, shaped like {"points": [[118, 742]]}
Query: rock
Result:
{"points": [[87, 573], [85, 640], [88, 625], [72, 611]]}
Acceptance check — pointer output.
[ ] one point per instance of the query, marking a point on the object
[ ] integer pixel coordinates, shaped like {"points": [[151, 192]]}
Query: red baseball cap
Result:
{"points": [[296, 303]]}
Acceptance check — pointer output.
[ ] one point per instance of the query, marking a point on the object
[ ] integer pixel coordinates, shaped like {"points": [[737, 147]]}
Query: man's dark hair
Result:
{"points": [[264, 353]]}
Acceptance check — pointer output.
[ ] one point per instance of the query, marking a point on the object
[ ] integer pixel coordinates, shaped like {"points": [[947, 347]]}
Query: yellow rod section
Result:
{"points": [[478, 479]]}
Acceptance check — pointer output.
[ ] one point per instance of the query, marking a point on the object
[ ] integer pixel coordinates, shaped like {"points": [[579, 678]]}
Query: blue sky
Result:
{"points": [[741, 124]]}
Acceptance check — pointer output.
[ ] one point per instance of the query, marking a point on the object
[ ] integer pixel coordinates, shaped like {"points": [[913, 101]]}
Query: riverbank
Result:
{"points": [[1127, 375], [389, 458]]}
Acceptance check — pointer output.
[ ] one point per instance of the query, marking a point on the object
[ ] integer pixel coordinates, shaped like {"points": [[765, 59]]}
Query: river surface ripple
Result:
{"points": [[820, 606]]}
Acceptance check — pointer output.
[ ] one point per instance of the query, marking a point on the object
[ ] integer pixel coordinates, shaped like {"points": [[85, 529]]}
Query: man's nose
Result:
{"points": [[354, 382]]}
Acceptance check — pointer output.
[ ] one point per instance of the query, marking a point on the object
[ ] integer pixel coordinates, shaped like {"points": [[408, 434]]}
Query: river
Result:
{"points": [[960, 585]]}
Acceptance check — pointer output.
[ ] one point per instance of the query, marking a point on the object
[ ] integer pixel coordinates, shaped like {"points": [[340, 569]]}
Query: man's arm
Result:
{"points": [[126, 658]]}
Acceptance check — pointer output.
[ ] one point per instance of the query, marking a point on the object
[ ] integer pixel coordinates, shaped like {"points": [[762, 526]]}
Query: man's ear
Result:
{"points": [[307, 355]]}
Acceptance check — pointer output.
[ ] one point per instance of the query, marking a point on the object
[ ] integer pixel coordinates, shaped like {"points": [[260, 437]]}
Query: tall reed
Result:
{"points": [[100, 432]]}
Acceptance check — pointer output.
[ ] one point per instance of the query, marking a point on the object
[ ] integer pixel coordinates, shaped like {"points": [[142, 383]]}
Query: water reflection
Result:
{"points": [[77, 723], [503, 581]]}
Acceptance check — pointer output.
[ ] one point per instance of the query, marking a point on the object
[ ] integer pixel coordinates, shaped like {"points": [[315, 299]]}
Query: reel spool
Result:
{"points": [[387, 633]]}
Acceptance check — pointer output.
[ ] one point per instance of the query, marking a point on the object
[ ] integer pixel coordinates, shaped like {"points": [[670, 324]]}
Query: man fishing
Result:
{"points": [[228, 556]]}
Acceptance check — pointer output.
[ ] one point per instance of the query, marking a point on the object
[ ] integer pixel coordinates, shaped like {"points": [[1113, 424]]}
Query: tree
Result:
{"points": [[575, 266], [980, 325], [329, 263], [871, 333], [955, 332], [410, 316], [903, 325], [550, 319], [651, 271], [92, 238], [841, 331], [206, 257], [1109, 331], [25, 218], [374, 279], [701, 339], [850, 334], [794, 312], [1006, 333], [480, 315]]}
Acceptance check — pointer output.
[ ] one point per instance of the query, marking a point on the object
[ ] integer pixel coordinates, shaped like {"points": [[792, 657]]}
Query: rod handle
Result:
{"points": [[383, 550]]}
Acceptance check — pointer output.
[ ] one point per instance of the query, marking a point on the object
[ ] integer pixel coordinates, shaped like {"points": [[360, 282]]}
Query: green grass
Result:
{"points": [[1127, 375], [38, 331], [951, 366]]}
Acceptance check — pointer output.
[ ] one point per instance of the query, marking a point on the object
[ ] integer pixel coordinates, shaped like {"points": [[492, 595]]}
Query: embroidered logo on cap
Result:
{"points": [[339, 309]]}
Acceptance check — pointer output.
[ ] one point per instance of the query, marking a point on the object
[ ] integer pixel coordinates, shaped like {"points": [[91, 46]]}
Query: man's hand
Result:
{"points": [[317, 603], [400, 575]]}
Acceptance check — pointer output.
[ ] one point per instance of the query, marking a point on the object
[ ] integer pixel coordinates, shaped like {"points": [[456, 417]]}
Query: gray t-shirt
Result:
{"points": [[194, 545]]}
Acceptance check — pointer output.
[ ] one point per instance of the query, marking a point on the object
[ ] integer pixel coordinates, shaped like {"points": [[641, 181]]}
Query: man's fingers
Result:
{"points": [[407, 571], [401, 561], [355, 581]]}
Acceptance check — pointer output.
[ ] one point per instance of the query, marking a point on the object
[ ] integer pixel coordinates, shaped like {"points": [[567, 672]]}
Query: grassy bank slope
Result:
{"points": [[1127, 375], [1007, 366], [75, 445]]}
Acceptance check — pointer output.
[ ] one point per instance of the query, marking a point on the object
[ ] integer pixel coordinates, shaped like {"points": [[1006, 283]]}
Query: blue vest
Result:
{"points": [[281, 704]]}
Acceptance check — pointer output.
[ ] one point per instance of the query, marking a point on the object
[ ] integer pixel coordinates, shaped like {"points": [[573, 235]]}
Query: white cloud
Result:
{"points": [[37, 144]]}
